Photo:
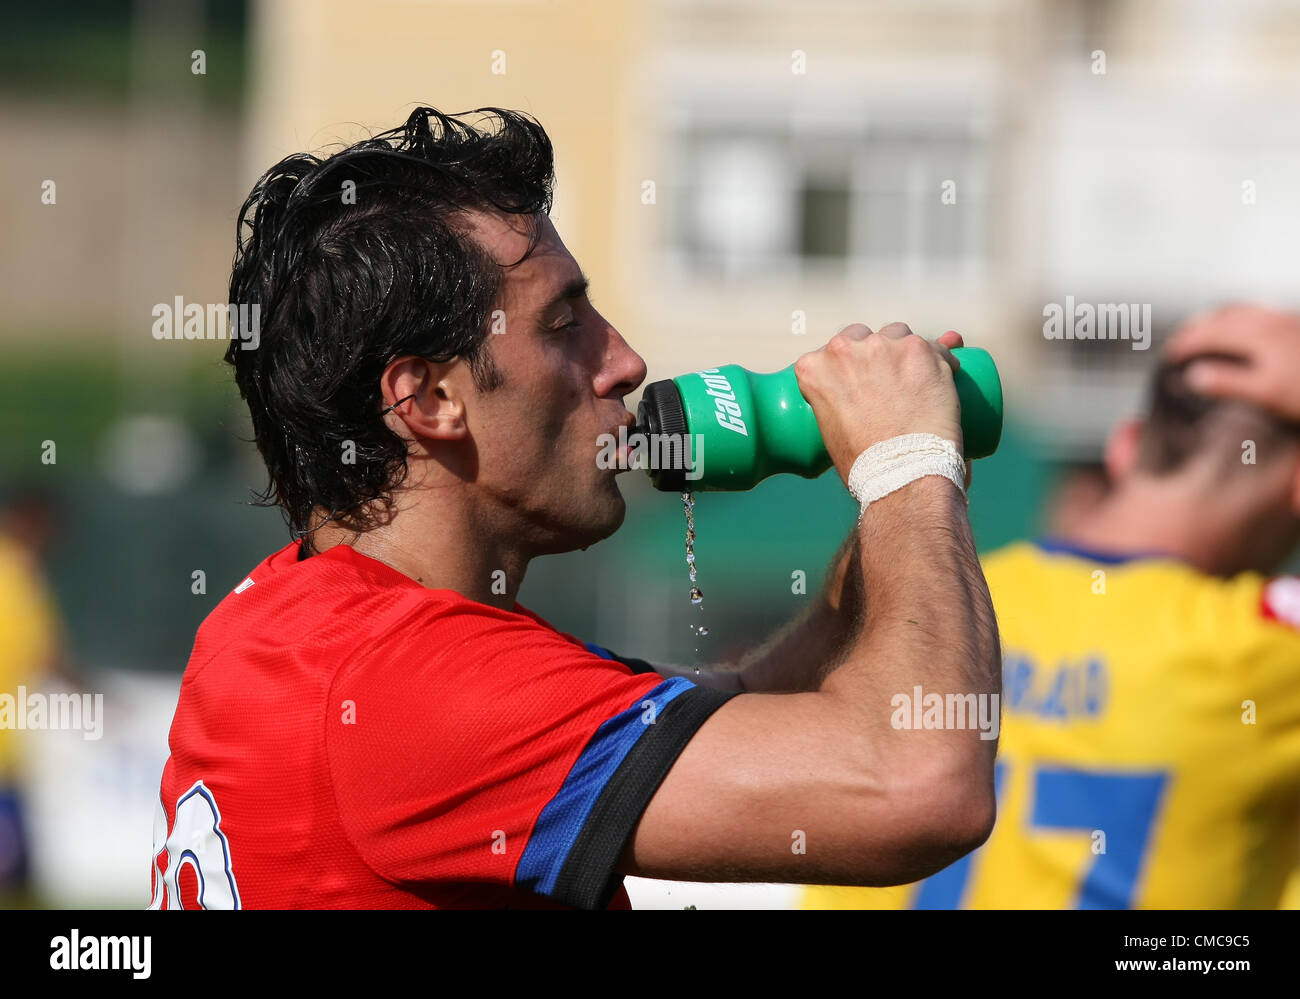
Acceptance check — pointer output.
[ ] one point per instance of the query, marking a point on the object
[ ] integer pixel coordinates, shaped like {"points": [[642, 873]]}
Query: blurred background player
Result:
{"points": [[1150, 752], [28, 651], [1251, 354], [1078, 489]]}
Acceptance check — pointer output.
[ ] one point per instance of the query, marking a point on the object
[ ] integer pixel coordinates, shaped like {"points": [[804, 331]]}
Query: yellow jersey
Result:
{"points": [[27, 640], [1150, 741]]}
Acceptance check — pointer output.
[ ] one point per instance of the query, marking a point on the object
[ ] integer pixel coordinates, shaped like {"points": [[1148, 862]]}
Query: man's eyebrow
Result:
{"points": [[575, 288]]}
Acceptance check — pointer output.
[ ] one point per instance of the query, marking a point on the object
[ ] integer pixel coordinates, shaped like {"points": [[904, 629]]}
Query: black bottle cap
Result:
{"points": [[661, 413]]}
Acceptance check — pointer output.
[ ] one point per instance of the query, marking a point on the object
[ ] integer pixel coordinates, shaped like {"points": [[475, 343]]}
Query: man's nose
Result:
{"points": [[624, 369]]}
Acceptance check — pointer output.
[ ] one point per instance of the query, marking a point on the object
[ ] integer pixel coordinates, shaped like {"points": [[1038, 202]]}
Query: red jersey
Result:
{"points": [[347, 738]]}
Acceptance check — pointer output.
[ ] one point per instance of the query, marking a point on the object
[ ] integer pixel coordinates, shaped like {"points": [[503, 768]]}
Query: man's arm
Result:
{"points": [[798, 655], [820, 787], [805, 650]]}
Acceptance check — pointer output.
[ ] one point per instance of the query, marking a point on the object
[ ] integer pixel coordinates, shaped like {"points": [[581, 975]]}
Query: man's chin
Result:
{"points": [[609, 510], [608, 516], [602, 516]]}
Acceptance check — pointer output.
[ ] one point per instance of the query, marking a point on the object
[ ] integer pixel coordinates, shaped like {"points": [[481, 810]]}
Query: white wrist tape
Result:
{"points": [[890, 465]]}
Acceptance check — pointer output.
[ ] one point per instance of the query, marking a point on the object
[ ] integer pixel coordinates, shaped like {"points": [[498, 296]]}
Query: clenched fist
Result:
{"points": [[866, 387]]}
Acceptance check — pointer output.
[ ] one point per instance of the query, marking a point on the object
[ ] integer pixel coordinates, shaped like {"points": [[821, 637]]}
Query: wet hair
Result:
{"points": [[357, 259], [1182, 426]]}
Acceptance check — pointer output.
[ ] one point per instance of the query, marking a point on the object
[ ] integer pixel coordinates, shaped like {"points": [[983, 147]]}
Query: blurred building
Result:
{"points": [[733, 172]]}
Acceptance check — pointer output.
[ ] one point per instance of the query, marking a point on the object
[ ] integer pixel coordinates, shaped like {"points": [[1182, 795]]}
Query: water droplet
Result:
{"points": [[697, 595]]}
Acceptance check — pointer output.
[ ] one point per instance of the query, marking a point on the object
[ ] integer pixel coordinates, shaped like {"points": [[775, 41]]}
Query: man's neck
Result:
{"points": [[453, 553], [1143, 520]]}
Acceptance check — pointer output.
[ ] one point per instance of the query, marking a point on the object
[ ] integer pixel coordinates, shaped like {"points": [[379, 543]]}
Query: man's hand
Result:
{"points": [[1255, 356], [803, 651], [907, 606], [867, 387]]}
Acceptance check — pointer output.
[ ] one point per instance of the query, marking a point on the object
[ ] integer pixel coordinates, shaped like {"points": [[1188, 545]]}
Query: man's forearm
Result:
{"points": [[798, 656], [802, 653], [928, 618]]}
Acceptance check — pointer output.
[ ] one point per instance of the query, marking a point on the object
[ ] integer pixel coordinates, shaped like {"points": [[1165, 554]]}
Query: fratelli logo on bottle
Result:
{"points": [[726, 408]]}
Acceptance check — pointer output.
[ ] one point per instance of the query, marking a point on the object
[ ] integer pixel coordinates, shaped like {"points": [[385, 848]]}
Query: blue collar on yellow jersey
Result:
{"points": [[1058, 546]]}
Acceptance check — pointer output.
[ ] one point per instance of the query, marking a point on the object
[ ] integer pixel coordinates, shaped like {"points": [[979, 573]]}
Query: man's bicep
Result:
{"points": [[769, 789]]}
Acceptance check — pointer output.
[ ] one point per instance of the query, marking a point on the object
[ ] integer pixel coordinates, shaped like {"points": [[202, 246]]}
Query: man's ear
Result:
{"points": [[1122, 448], [425, 396]]}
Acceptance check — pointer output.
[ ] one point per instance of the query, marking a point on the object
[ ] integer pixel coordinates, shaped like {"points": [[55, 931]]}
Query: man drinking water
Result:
{"points": [[367, 721]]}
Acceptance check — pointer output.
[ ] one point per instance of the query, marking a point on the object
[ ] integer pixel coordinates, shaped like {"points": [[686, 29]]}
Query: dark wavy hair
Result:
{"points": [[348, 278]]}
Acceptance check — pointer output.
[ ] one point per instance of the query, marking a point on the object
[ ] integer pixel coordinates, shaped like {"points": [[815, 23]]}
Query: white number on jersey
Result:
{"points": [[197, 840]]}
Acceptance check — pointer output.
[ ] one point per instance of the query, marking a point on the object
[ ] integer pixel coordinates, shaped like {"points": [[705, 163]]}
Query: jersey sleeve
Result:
{"points": [[1271, 654], [632, 663], [484, 747], [1280, 601]]}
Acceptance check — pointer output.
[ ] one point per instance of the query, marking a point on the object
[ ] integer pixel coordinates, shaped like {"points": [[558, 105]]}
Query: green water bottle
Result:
{"points": [[728, 428]]}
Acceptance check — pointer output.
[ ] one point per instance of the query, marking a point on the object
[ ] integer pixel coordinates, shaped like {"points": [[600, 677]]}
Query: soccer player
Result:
{"points": [[371, 719], [1150, 751], [30, 652]]}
